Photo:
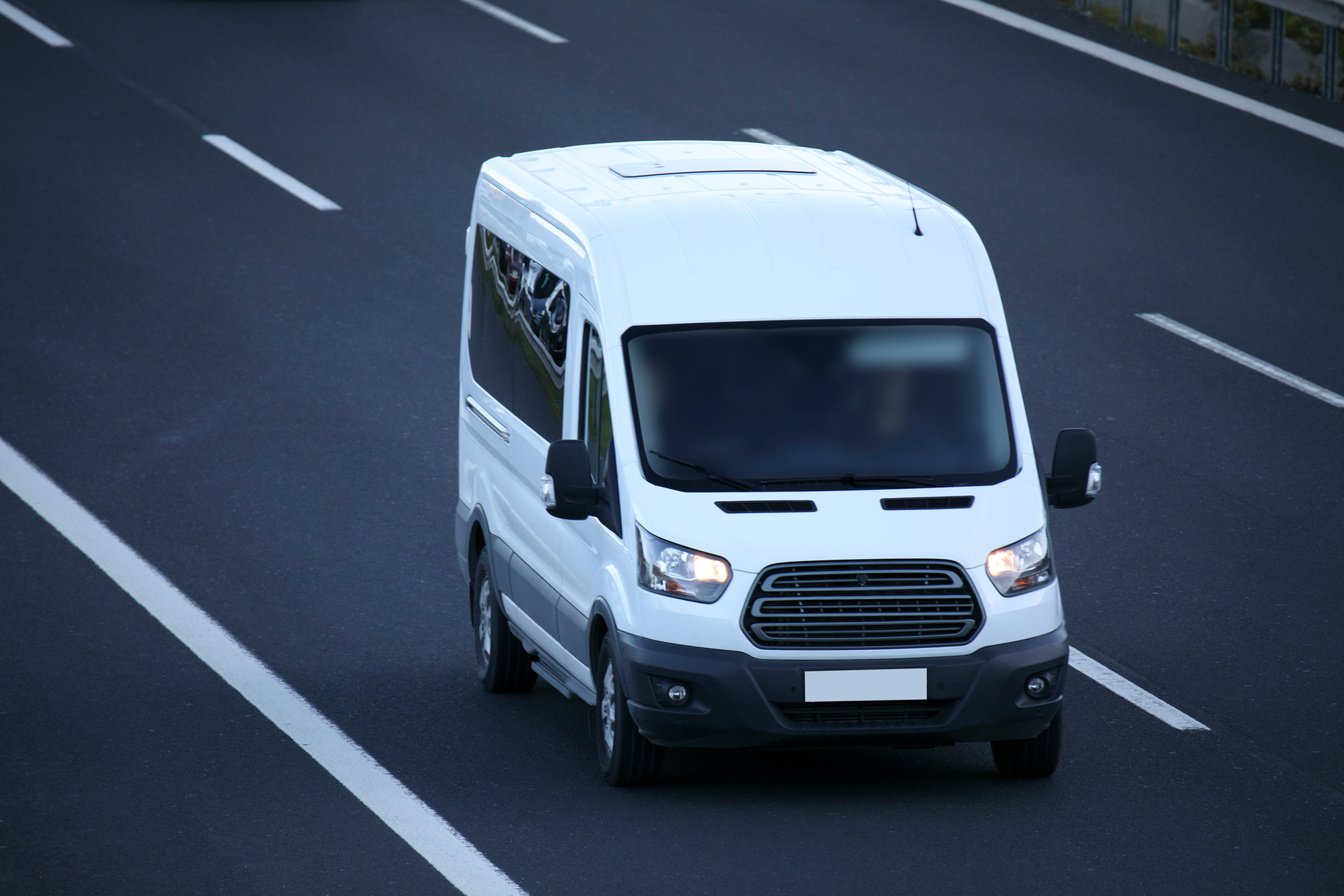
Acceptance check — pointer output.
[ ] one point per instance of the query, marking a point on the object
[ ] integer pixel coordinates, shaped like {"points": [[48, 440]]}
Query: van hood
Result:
{"points": [[847, 525]]}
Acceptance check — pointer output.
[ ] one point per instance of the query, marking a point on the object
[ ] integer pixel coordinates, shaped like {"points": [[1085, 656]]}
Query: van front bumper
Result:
{"points": [[741, 700]]}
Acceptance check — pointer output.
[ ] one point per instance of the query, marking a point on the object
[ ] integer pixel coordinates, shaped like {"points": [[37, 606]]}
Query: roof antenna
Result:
{"points": [[911, 194]]}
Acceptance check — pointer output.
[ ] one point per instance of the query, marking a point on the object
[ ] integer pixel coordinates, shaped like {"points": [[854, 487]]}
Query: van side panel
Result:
{"points": [[522, 277]]}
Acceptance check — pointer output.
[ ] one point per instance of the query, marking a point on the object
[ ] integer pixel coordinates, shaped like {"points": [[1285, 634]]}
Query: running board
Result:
{"points": [[563, 682], [550, 671], [552, 677]]}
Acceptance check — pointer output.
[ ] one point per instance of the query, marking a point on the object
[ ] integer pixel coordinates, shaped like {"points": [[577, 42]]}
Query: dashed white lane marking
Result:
{"points": [[518, 22], [32, 25], [273, 174], [1251, 361], [1118, 684], [420, 826], [765, 136], [1156, 72]]}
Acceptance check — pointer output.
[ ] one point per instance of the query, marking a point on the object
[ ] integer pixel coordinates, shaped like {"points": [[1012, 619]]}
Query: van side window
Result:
{"points": [[519, 327], [595, 428]]}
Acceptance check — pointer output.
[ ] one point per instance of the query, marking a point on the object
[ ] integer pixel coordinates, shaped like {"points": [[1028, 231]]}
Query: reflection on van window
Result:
{"points": [[595, 408], [519, 321], [820, 406]]}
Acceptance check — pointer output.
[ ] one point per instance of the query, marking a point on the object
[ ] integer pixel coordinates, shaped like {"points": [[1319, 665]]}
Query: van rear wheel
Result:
{"points": [[1034, 757], [625, 757], [502, 665]]}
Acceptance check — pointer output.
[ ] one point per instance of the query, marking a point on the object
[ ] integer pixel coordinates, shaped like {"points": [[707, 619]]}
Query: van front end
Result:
{"points": [[787, 646], [1000, 692]]}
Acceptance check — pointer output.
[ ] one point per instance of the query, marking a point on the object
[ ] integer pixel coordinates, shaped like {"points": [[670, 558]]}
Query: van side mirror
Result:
{"points": [[1075, 475], [567, 488]]}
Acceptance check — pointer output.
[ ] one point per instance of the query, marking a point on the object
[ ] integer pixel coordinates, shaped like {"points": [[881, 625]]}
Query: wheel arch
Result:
{"points": [[599, 625], [477, 539]]}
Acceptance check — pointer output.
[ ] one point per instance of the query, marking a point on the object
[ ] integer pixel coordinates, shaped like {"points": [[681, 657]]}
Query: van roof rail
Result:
{"points": [[712, 166]]}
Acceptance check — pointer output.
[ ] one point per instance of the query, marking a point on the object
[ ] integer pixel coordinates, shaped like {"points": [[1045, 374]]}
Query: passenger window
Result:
{"points": [[519, 328], [595, 427]]}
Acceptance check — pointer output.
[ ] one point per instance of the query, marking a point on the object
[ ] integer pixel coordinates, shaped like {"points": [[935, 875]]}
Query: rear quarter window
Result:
{"points": [[518, 332]]}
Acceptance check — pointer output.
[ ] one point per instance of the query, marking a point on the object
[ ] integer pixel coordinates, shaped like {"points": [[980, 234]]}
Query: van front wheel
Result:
{"points": [[502, 665], [625, 757], [1035, 757]]}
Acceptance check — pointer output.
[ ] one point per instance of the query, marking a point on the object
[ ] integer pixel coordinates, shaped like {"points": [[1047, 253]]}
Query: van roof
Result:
{"points": [[686, 232]]}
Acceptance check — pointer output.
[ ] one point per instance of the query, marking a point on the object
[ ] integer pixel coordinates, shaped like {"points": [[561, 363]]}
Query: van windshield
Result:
{"points": [[795, 406]]}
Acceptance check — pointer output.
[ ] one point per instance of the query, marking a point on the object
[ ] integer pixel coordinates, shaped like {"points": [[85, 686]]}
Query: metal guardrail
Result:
{"points": [[1327, 12], [1281, 44]]}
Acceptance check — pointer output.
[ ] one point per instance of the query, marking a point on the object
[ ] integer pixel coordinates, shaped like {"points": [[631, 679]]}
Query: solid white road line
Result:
{"points": [[374, 786], [270, 172], [1156, 72], [32, 25], [1122, 686], [518, 22], [1235, 354], [766, 137]]}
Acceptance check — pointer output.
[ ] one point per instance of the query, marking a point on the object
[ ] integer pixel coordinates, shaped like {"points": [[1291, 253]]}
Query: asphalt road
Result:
{"points": [[260, 399]]}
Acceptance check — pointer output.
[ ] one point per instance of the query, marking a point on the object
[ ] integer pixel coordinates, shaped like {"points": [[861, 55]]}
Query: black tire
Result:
{"points": [[1035, 757], [502, 665], [624, 756]]}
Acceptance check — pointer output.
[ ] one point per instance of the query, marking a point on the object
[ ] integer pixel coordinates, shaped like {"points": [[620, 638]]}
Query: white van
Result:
{"points": [[743, 458]]}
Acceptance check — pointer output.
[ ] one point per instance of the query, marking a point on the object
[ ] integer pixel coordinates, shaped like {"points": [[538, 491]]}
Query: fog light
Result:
{"points": [[671, 693], [1044, 684]]}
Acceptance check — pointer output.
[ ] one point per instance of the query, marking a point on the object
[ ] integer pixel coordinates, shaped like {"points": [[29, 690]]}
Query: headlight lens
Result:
{"points": [[666, 568], [1022, 566]]}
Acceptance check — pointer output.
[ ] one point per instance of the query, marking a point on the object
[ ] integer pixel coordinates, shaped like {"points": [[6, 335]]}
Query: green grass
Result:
{"points": [[1154, 34], [1205, 49]]}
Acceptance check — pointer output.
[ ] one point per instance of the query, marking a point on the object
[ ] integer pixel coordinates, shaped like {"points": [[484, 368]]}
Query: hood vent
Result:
{"points": [[944, 502], [766, 506]]}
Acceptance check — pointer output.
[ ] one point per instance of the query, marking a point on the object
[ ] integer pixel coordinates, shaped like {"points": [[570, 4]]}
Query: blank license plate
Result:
{"points": [[846, 685]]}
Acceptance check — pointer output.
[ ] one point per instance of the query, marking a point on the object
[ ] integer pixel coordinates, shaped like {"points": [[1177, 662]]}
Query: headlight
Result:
{"points": [[671, 569], [1021, 566]]}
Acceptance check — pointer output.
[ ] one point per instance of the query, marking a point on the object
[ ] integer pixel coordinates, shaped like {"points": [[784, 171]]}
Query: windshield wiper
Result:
{"points": [[740, 484], [853, 481]]}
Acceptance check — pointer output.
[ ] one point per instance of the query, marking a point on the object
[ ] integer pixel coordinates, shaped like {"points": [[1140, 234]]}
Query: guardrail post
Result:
{"points": [[1173, 24], [1330, 65], [1126, 12], [1225, 33], [1276, 46]]}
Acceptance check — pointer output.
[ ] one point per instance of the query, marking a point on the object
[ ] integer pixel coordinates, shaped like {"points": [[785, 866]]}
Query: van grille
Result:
{"points": [[858, 715], [865, 604]]}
